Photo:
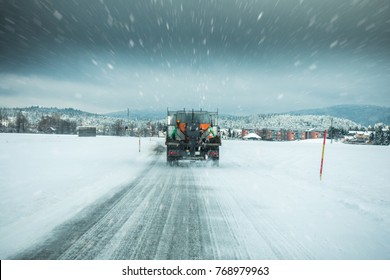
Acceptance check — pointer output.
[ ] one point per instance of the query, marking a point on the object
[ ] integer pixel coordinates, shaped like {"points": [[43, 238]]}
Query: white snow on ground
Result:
{"points": [[47, 179], [344, 216]]}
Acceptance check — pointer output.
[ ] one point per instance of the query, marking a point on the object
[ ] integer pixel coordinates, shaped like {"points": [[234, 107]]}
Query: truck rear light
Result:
{"points": [[173, 153], [213, 153]]}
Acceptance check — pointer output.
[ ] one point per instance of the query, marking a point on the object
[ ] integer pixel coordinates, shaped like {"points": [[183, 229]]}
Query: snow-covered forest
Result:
{"points": [[286, 121], [66, 121]]}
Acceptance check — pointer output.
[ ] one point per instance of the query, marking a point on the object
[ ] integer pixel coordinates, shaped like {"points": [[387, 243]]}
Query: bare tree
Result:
{"points": [[21, 122]]}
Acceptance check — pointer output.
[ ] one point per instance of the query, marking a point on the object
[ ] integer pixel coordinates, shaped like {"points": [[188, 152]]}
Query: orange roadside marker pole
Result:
{"points": [[322, 157]]}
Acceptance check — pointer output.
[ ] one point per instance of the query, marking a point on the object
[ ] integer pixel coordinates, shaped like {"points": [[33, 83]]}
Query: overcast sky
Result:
{"points": [[239, 56]]}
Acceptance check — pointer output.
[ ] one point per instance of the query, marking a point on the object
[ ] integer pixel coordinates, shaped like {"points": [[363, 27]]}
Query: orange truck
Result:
{"points": [[192, 135]]}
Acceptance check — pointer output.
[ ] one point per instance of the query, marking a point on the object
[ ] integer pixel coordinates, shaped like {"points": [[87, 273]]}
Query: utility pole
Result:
{"points": [[331, 130], [128, 120]]}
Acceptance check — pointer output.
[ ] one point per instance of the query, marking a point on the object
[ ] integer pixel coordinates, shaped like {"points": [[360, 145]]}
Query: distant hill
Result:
{"points": [[138, 114], [287, 121], [343, 117], [52, 110], [362, 114], [272, 121]]}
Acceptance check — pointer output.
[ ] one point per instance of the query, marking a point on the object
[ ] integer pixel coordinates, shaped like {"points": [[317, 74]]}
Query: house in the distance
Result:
{"points": [[251, 136], [86, 131]]}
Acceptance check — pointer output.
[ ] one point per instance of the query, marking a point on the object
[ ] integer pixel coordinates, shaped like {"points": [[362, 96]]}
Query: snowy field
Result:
{"points": [[264, 201]]}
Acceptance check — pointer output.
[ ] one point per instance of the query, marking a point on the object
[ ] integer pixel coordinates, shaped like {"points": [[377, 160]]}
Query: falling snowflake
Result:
{"points": [[57, 15]]}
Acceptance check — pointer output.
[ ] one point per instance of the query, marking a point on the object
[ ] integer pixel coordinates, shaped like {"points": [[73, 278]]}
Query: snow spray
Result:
{"points": [[322, 157]]}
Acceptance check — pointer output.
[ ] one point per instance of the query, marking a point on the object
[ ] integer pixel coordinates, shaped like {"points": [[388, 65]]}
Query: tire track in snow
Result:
{"points": [[225, 242], [95, 242], [65, 236], [157, 216], [173, 227], [262, 238], [169, 213], [279, 244]]}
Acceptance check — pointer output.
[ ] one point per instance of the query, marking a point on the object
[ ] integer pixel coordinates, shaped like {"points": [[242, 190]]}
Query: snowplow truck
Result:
{"points": [[192, 135]]}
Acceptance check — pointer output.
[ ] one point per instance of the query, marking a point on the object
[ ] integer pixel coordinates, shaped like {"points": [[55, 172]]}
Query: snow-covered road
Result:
{"points": [[168, 213], [158, 215], [264, 201]]}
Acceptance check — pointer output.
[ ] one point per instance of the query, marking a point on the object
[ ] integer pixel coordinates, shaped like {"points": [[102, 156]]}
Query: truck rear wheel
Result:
{"points": [[172, 161]]}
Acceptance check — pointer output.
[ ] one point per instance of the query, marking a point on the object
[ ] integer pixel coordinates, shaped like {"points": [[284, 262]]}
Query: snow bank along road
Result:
{"points": [[102, 199]]}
